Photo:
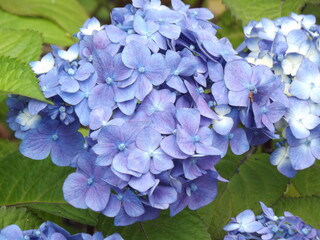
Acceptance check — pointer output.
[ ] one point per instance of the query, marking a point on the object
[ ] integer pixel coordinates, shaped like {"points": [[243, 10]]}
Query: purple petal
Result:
{"points": [[143, 183], [113, 206], [170, 147], [237, 75], [139, 161], [74, 190], [135, 55], [301, 157]]}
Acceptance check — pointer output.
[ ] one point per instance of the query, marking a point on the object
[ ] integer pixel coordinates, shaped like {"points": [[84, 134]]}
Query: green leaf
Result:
{"points": [[7, 147], [25, 45], [69, 15], [186, 225], [17, 78], [307, 208], [307, 181], [38, 185], [51, 32], [256, 180], [230, 28], [247, 10], [19, 216]]}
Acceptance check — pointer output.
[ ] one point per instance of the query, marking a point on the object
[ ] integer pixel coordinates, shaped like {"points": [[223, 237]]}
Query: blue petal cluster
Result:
{"points": [[289, 47], [49, 230], [142, 87], [162, 98], [268, 226]]}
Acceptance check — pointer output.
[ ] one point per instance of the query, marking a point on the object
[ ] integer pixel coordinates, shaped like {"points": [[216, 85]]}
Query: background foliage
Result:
{"points": [[31, 190]]}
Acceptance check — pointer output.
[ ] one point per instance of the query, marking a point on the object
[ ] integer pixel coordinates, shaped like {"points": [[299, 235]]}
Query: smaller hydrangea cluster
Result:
{"points": [[290, 47], [268, 226], [50, 231]]}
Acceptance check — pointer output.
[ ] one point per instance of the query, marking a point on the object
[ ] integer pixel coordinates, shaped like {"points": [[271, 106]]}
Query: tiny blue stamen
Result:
{"points": [[193, 187], [307, 142], [196, 139], [130, 31], [174, 132], [54, 137], [121, 146], [62, 109], [151, 154], [252, 89], [71, 71], [176, 72], [312, 85], [90, 58], [231, 136], [211, 104], [264, 110], [104, 123], [141, 69], [194, 13], [305, 231], [90, 181], [119, 197], [200, 90], [194, 160], [86, 94], [192, 47], [109, 80]]}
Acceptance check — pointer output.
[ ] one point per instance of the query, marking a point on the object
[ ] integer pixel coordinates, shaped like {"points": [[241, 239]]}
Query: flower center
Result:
{"points": [[193, 187], [252, 89], [196, 139], [141, 69], [176, 72], [86, 94], [200, 90], [121, 146], [231, 136], [62, 109], [109, 80], [71, 71], [90, 181], [54, 137], [264, 110]]}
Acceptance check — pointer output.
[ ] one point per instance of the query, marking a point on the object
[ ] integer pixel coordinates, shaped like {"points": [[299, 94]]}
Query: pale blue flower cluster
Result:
{"points": [[268, 226], [290, 47], [50, 231]]}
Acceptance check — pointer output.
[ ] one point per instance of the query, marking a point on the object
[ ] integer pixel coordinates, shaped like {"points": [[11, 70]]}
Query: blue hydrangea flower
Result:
{"points": [[52, 137], [50, 230], [86, 188], [268, 226], [148, 69]]}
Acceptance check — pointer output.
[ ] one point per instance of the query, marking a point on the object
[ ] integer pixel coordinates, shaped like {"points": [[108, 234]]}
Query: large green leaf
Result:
{"points": [[51, 32], [19, 216], [247, 10], [25, 45], [307, 182], [38, 185], [70, 15], [255, 180], [186, 225], [17, 78]]}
